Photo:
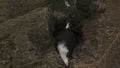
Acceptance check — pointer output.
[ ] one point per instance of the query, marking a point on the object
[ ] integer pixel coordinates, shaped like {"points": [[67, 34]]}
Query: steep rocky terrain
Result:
{"points": [[25, 40]]}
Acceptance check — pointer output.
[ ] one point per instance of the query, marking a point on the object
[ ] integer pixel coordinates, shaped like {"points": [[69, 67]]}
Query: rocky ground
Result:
{"points": [[25, 40]]}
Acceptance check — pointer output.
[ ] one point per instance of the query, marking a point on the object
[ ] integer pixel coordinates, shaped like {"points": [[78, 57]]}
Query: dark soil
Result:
{"points": [[26, 42]]}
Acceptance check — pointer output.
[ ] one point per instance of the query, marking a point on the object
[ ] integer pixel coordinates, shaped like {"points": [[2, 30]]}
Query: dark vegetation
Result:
{"points": [[25, 41], [81, 10]]}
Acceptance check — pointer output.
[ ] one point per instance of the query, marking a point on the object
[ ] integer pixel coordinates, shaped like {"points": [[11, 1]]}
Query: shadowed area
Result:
{"points": [[25, 35]]}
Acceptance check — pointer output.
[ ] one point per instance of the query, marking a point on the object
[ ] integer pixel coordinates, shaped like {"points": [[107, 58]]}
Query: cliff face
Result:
{"points": [[25, 40]]}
